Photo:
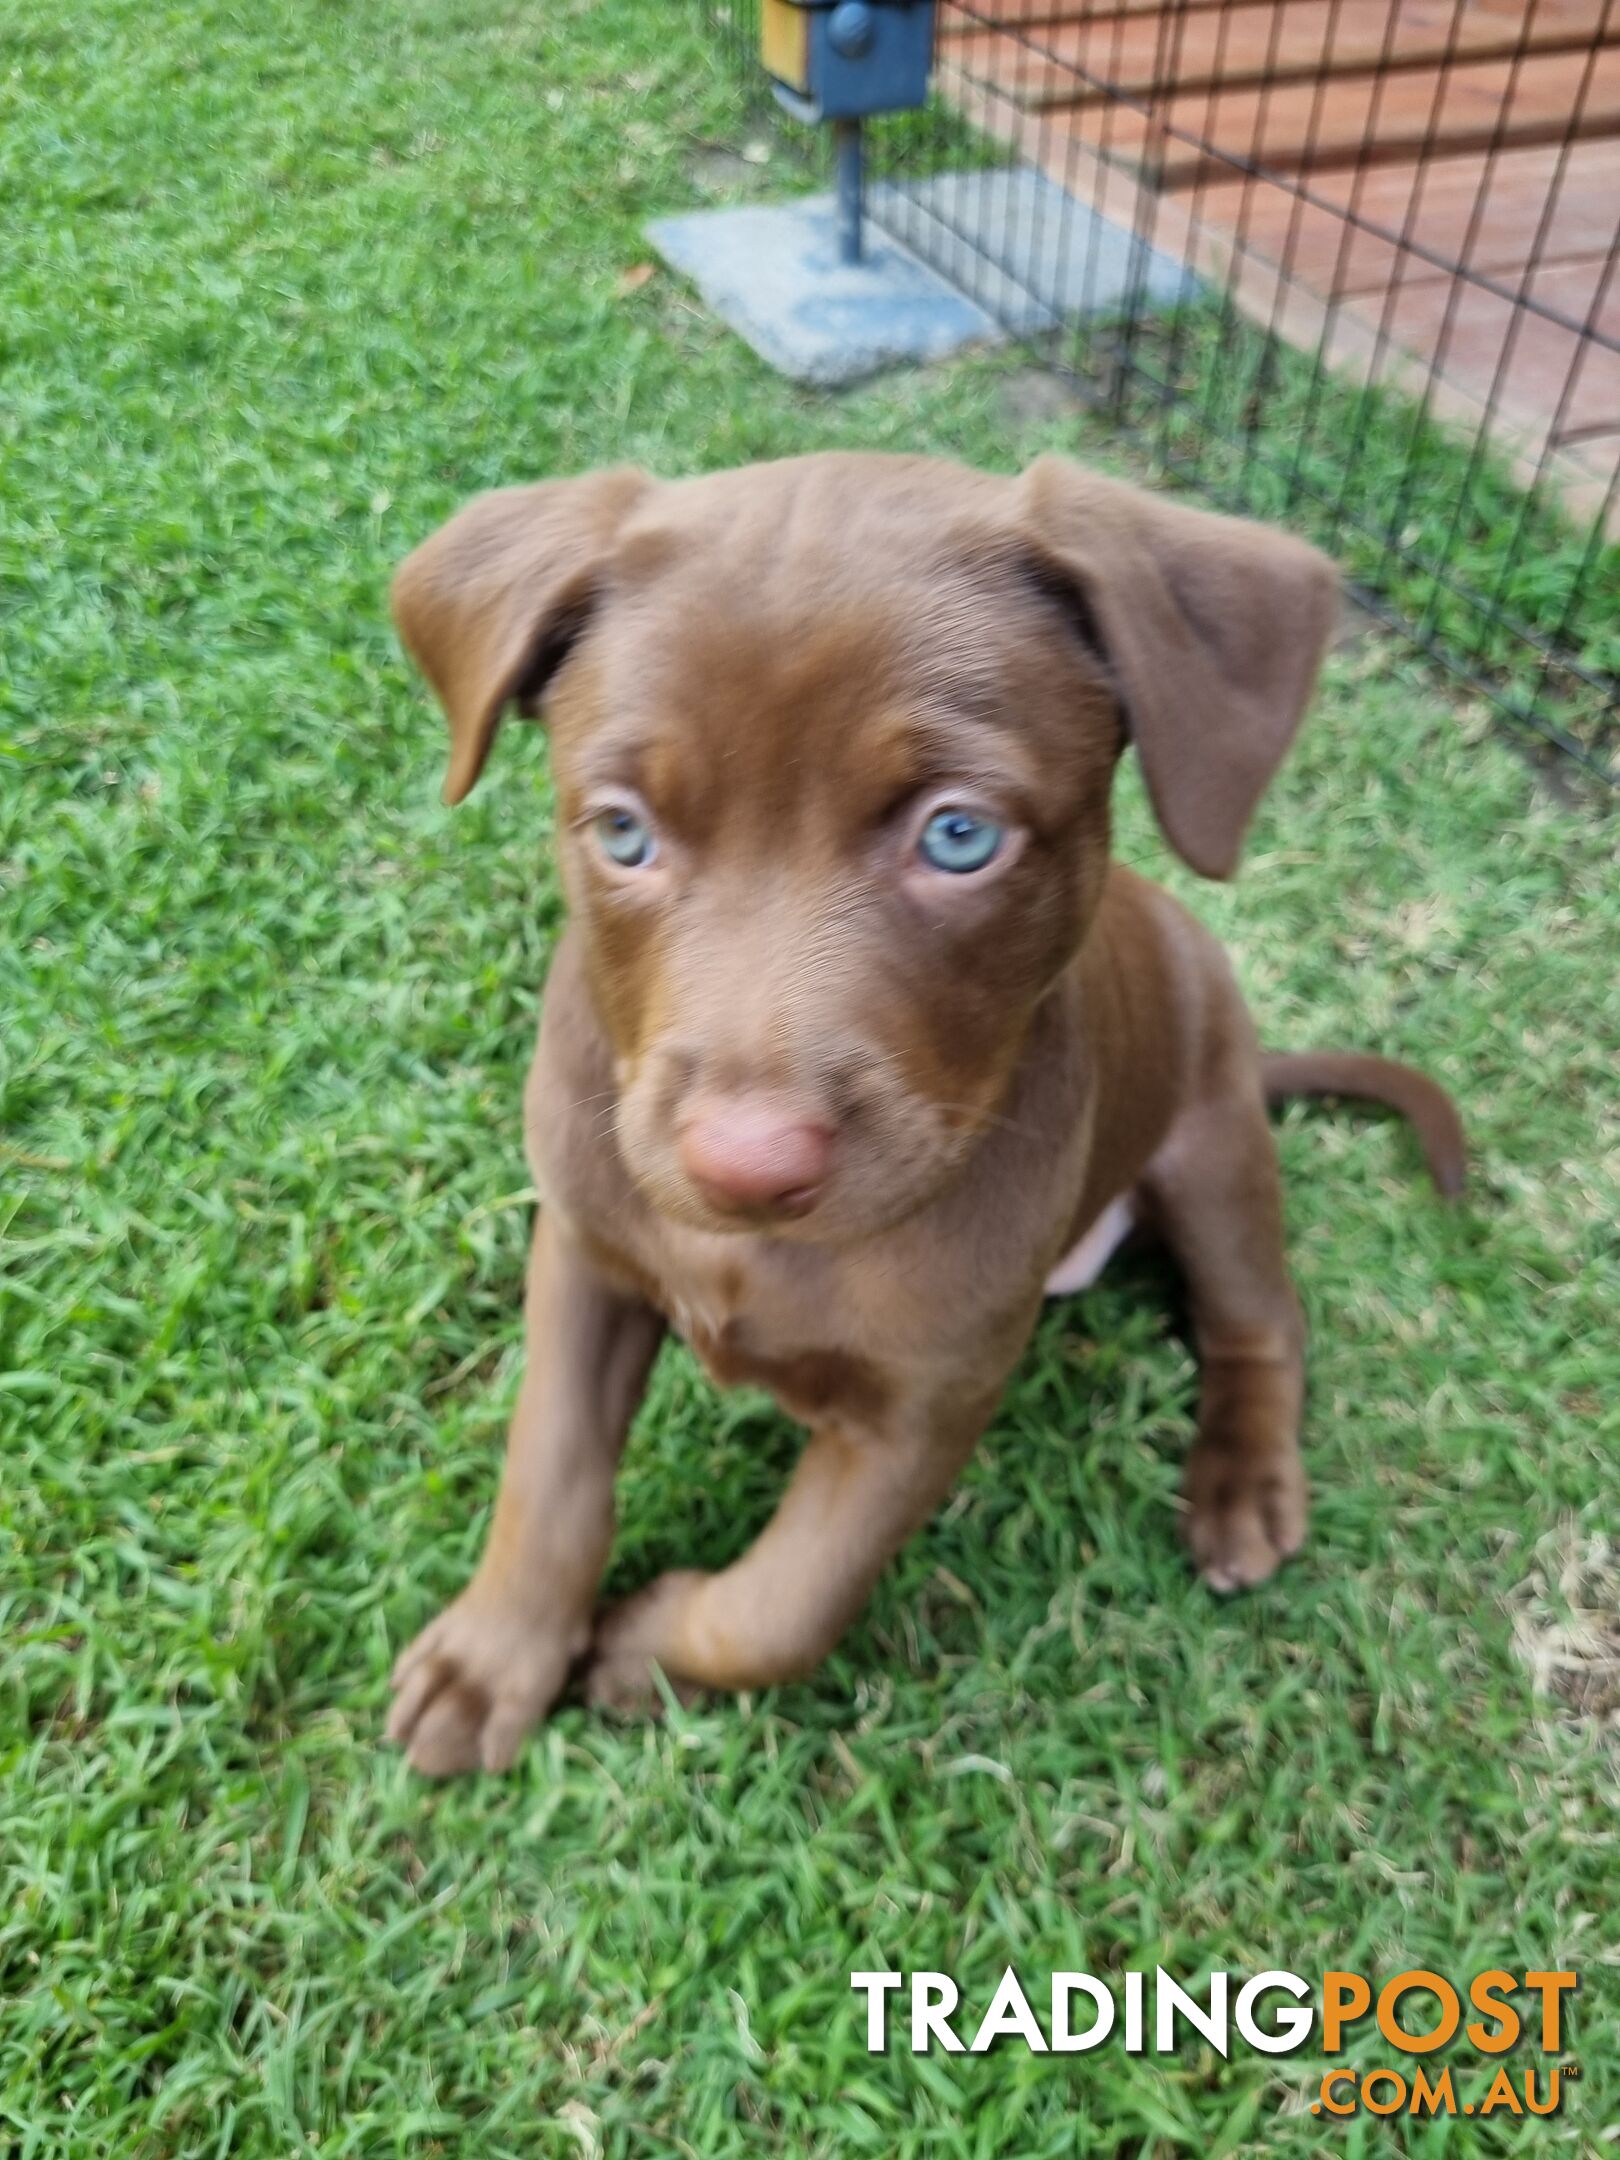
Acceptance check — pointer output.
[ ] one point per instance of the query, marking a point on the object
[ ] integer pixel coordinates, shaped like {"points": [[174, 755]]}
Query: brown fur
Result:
{"points": [[781, 669]]}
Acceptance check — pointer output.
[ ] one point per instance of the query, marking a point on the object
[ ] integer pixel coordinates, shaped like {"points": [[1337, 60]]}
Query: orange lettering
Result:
{"points": [[1552, 1986], [1450, 2012], [1345, 1998], [1383, 2077], [1429, 2099], [1550, 2107], [1333, 2106], [1501, 2094], [1485, 1993]]}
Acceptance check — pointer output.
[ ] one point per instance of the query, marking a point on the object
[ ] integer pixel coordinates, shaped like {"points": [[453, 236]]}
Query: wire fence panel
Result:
{"points": [[1349, 264]]}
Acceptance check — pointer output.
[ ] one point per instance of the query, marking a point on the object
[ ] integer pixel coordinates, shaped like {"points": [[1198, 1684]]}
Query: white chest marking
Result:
{"points": [[1083, 1263]]}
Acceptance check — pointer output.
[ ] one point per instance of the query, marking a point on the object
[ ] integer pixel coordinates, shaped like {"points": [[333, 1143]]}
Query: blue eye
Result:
{"points": [[624, 838], [957, 841]]}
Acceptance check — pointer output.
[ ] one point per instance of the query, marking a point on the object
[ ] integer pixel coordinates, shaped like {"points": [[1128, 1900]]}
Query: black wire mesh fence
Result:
{"points": [[1353, 265]]}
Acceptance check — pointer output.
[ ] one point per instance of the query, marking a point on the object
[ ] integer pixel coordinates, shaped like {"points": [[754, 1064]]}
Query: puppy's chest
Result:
{"points": [[761, 1319], [815, 1385], [748, 1335]]}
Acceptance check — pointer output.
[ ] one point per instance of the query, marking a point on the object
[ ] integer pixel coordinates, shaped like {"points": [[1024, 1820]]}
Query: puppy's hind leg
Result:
{"points": [[1216, 1192]]}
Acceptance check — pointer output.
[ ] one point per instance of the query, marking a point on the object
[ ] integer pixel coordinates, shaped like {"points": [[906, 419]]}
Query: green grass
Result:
{"points": [[278, 288]]}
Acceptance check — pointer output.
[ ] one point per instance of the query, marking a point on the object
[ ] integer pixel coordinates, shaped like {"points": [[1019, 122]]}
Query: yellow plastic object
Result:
{"points": [[784, 43]]}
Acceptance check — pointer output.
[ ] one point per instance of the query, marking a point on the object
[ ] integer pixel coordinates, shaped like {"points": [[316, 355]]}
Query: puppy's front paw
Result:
{"points": [[636, 1635], [1246, 1511], [473, 1684]]}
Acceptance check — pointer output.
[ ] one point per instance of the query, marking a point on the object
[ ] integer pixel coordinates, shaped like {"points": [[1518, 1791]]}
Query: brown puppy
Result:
{"points": [[856, 1038]]}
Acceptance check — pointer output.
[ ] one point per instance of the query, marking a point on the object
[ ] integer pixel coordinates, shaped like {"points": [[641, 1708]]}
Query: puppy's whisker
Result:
{"points": [[986, 1120]]}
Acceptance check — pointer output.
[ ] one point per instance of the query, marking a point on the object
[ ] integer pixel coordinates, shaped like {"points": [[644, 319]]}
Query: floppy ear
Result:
{"points": [[1214, 629], [489, 606]]}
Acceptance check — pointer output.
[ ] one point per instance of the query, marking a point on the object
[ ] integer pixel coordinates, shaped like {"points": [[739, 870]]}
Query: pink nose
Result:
{"points": [[752, 1151]]}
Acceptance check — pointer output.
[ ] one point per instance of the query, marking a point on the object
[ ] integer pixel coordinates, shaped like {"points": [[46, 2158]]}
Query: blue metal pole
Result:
{"points": [[847, 143]]}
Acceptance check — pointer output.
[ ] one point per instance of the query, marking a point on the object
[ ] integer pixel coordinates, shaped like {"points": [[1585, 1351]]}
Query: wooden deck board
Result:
{"points": [[1510, 357], [1020, 15], [1436, 337], [1433, 206], [1261, 40], [1367, 119]]}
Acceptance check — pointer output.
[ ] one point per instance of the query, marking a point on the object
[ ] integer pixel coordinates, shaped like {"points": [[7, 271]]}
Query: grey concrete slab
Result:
{"points": [[1025, 250], [958, 259], [772, 272]]}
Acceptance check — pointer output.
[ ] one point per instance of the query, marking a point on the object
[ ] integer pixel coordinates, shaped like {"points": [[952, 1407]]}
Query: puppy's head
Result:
{"points": [[832, 742]]}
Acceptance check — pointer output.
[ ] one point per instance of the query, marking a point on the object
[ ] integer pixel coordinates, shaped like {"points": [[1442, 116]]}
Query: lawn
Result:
{"points": [[277, 288]]}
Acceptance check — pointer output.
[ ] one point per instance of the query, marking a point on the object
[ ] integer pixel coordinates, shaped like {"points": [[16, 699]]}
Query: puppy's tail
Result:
{"points": [[1428, 1109]]}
